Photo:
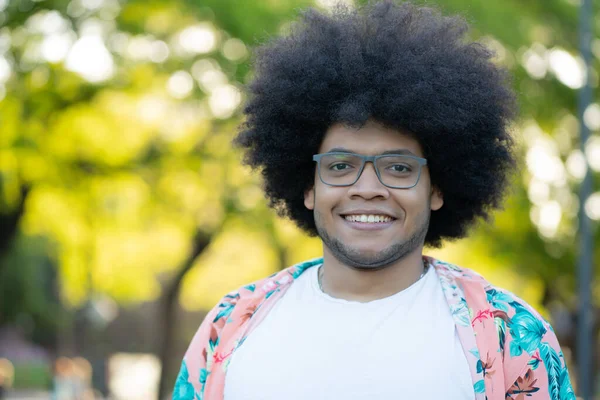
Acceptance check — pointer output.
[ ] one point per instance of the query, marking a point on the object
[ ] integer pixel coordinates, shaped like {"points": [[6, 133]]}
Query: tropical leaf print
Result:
{"points": [[498, 299], [298, 269], [248, 313], [566, 389], [232, 297], [479, 386], [449, 266], [535, 361], [488, 366], [526, 330], [213, 342], [203, 375], [460, 313], [552, 362], [501, 315], [501, 329], [481, 316], [522, 332], [523, 387], [475, 352], [183, 388], [226, 309]]}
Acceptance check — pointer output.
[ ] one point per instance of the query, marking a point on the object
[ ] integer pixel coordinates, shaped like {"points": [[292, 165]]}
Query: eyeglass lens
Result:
{"points": [[394, 170]]}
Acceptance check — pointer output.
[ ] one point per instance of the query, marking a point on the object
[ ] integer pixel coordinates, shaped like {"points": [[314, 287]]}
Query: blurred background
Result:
{"points": [[125, 215]]}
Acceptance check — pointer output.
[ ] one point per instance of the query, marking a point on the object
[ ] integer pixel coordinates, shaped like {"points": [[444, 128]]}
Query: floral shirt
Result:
{"points": [[512, 351]]}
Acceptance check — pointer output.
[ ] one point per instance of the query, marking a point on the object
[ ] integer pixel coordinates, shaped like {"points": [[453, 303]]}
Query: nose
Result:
{"points": [[368, 185]]}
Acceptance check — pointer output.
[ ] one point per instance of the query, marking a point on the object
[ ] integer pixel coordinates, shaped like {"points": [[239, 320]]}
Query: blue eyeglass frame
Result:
{"points": [[372, 160]]}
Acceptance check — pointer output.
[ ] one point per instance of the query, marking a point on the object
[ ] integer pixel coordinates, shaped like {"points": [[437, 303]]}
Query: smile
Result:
{"points": [[368, 218]]}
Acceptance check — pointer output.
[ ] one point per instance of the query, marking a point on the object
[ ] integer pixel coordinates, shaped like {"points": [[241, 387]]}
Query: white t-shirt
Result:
{"points": [[313, 346]]}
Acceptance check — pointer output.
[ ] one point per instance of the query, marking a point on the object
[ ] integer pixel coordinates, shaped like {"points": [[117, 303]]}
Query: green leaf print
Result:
{"points": [[203, 376], [534, 363], [498, 299], [515, 349], [552, 362], [566, 389], [183, 388], [527, 331], [300, 268], [460, 313], [501, 329], [226, 309], [479, 386]]}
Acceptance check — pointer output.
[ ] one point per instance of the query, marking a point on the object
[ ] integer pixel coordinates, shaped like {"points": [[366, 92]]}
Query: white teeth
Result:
{"points": [[369, 219]]}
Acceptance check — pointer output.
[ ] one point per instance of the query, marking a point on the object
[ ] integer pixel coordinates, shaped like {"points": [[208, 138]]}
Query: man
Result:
{"points": [[380, 130]]}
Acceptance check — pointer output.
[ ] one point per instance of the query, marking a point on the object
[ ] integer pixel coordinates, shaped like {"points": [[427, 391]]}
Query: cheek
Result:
{"points": [[409, 196], [413, 202], [327, 198]]}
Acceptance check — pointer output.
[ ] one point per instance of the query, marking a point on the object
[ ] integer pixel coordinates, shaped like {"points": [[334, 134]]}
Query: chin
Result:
{"points": [[368, 250], [371, 243]]}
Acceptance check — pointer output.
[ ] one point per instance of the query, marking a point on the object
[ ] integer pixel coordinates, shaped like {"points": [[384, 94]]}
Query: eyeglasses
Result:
{"points": [[396, 171]]}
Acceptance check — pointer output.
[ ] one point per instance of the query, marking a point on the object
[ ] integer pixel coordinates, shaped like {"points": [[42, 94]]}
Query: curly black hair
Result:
{"points": [[405, 66]]}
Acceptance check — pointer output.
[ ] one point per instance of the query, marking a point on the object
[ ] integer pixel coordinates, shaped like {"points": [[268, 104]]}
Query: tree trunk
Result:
{"points": [[565, 319], [168, 308], [9, 223]]}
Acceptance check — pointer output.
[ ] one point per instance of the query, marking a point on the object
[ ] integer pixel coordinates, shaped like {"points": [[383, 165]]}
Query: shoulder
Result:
{"points": [[239, 306], [497, 298], [249, 297], [265, 287], [529, 347]]}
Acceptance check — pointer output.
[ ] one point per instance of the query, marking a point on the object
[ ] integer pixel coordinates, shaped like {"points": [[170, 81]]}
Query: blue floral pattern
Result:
{"points": [[501, 335]]}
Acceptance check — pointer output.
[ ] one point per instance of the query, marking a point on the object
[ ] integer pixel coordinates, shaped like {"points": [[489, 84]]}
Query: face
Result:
{"points": [[403, 214]]}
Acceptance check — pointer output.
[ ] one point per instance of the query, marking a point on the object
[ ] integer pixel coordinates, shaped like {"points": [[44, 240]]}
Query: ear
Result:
{"points": [[309, 198], [437, 199]]}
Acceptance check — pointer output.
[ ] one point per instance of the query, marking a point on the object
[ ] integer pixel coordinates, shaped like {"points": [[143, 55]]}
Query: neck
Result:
{"points": [[344, 282]]}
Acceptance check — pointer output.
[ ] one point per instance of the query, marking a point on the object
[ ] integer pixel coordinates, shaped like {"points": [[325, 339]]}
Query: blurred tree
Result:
{"points": [[116, 171], [537, 234], [117, 120]]}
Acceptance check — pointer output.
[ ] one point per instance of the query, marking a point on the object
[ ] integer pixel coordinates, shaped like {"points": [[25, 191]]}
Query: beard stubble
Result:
{"points": [[356, 259]]}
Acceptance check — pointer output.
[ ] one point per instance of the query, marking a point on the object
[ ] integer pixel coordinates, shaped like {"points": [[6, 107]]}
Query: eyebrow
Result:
{"points": [[394, 151]]}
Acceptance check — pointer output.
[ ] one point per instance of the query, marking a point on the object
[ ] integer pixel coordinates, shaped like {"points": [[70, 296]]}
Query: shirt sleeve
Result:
{"points": [[545, 376], [194, 367]]}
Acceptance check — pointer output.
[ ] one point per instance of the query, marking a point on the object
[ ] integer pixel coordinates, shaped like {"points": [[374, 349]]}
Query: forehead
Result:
{"points": [[371, 139]]}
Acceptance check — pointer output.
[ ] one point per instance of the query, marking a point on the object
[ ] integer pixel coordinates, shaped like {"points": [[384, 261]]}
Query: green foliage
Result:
{"points": [[32, 376], [123, 170], [28, 287]]}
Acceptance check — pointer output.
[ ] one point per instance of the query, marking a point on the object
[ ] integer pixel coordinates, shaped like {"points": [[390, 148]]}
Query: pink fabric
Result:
{"points": [[512, 351]]}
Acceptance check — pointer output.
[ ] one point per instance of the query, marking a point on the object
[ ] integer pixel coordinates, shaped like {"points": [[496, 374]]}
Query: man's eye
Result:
{"points": [[340, 167], [400, 168]]}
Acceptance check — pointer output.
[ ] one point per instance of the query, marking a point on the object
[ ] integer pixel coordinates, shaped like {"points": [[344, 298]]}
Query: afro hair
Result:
{"points": [[405, 66]]}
